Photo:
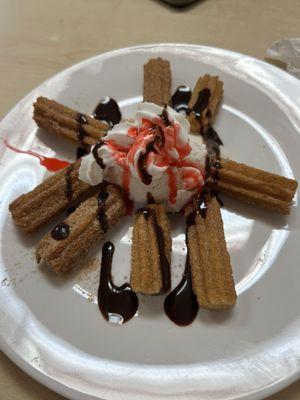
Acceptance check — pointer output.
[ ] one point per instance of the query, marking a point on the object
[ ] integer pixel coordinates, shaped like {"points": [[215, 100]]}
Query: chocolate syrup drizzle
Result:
{"points": [[98, 159], [108, 110], [102, 197], [61, 231], [199, 207], [146, 178], [181, 98], [149, 214], [212, 141], [118, 304], [81, 133], [150, 198], [202, 102], [165, 117], [159, 140], [81, 152], [212, 161]]}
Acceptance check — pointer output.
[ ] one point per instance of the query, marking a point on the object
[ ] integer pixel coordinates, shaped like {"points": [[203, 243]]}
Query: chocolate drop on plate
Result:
{"points": [[61, 231], [117, 304], [108, 110], [181, 304], [181, 98]]}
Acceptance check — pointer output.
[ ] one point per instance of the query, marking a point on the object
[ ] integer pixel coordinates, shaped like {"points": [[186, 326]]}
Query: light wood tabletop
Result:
{"points": [[38, 38]]}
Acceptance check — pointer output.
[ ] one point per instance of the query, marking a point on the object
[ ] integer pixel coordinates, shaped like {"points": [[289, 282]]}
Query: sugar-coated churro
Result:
{"points": [[88, 224], [151, 251], [209, 259], [63, 121], [157, 81], [254, 186]]}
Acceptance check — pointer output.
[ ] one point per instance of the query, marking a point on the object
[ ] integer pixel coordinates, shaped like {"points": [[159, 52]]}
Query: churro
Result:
{"points": [[209, 259], [151, 251], [157, 81], [88, 224], [63, 121], [254, 186]]}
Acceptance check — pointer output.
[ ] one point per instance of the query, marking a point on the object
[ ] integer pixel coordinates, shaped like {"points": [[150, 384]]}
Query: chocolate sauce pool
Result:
{"points": [[117, 304], [181, 304], [108, 111]]}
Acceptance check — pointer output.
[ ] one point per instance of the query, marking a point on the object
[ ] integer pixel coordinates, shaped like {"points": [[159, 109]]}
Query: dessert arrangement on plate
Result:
{"points": [[165, 159]]}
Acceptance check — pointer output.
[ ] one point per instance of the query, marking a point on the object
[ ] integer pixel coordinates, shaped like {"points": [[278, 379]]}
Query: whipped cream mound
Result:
{"points": [[151, 154]]}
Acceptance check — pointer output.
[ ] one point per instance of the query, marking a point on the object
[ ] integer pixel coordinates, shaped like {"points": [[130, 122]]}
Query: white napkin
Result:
{"points": [[287, 50]]}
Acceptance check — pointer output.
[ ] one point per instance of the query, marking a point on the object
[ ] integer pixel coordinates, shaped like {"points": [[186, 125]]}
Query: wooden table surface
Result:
{"points": [[38, 38]]}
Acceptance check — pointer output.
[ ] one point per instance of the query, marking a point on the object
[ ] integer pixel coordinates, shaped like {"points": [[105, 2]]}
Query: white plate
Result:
{"points": [[59, 337]]}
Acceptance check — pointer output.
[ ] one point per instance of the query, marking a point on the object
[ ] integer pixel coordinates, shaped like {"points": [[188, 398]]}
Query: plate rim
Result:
{"points": [[41, 376]]}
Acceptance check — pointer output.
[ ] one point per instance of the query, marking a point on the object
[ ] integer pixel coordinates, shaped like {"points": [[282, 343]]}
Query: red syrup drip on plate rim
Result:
{"points": [[51, 164]]}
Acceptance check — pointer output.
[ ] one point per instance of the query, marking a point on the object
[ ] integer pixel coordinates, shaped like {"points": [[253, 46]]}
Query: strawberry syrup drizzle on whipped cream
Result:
{"points": [[153, 153]]}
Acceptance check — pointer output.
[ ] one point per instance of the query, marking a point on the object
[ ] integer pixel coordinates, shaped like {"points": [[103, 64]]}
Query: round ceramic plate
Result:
{"points": [[51, 327]]}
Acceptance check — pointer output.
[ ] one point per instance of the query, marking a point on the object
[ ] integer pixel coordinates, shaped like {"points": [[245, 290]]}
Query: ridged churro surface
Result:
{"points": [[209, 259], [151, 251], [157, 81], [255, 186], [58, 119]]}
